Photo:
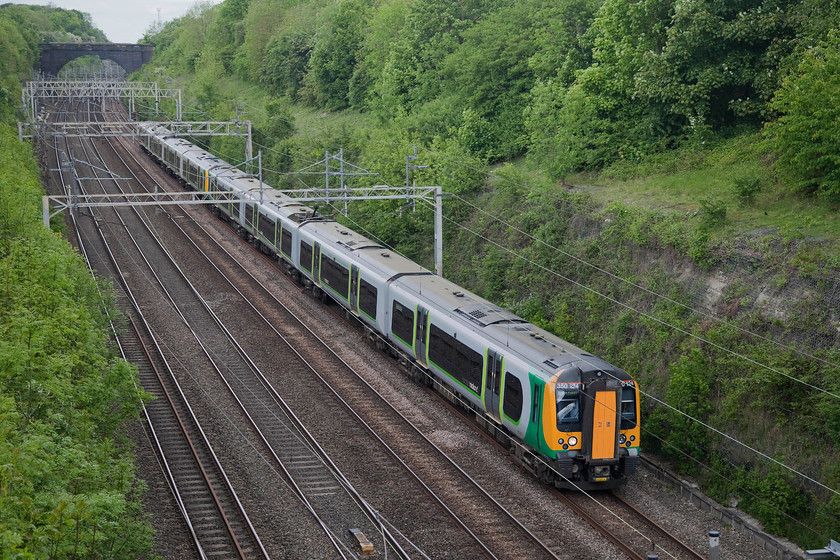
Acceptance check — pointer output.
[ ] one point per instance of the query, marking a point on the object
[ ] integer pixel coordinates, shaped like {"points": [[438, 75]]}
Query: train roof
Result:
{"points": [[385, 262], [547, 353]]}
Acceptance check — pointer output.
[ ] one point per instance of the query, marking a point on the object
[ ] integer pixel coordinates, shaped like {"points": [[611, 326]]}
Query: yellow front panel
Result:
{"points": [[604, 425]]}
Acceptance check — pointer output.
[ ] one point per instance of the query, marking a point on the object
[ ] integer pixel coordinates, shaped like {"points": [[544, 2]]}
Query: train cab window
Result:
{"points": [[628, 408], [568, 409], [402, 322], [306, 256], [367, 299], [513, 397]]}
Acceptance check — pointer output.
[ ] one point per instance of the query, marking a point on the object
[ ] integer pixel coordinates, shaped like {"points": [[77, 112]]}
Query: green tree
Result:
{"points": [[333, 58], [559, 32], [720, 62], [806, 136], [286, 62], [490, 76], [383, 28], [413, 73], [600, 119]]}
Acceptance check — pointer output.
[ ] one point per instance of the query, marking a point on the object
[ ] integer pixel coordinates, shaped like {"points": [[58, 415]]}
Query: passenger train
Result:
{"points": [[573, 418]]}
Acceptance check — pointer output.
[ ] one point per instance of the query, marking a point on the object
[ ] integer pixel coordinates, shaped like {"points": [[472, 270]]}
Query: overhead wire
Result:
{"points": [[272, 466], [610, 298], [634, 284], [652, 292], [385, 244]]}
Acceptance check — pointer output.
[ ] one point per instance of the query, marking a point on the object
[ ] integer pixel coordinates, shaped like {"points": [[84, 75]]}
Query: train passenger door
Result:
{"points": [[316, 263], [420, 335], [354, 289], [493, 384]]}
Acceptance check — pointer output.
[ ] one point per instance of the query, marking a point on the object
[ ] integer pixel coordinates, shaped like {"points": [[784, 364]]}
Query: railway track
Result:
{"points": [[214, 516], [628, 528], [325, 371], [372, 407]]}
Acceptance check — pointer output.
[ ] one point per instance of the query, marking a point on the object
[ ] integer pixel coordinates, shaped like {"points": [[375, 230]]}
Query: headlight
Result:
{"points": [[632, 438], [561, 441], [621, 439], [573, 441]]}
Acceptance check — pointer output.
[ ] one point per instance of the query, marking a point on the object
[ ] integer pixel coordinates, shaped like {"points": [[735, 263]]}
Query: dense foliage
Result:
{"points": [[67, 482], [22, 29], [807, 135], [572, 84]]}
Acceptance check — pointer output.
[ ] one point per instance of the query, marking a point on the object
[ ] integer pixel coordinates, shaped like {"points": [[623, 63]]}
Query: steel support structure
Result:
{"points": [[55, 204], [831, 551], [95, 89], [130, 128]]}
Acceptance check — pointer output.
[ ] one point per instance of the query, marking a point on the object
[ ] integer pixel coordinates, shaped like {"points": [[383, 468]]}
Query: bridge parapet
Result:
{"points": [[128, 55]]}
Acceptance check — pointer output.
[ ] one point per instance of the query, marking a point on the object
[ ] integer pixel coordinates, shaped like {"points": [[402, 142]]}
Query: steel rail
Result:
{"points": [[228, 486], [657, 527], [168, 475], [209, 354]]}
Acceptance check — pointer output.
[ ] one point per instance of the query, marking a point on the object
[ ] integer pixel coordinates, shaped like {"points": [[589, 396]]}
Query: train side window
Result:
{"points": [[286, 243], [367, 299], [513, 397], [251, 214], [306, 256], [455, 358], [402, 322], [267, 226], [628, 408], [336, 276]]}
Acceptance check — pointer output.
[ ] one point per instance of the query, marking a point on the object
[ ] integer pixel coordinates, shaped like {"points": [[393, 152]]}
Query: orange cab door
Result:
{"points": [[604, 425]]}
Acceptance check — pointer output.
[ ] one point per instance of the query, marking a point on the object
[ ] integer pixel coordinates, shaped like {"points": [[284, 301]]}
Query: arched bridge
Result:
{"points": [[131, 57]]}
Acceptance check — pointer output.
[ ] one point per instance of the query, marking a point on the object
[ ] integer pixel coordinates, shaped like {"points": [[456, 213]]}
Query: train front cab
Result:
{"points": [[590, 426]]}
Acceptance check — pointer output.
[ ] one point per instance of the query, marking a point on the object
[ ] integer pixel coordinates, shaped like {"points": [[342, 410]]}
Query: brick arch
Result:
{"points": [[129, 56]]}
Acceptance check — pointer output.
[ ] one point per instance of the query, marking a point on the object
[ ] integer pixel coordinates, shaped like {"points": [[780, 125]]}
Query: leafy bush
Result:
{"points": [[68, 487], [746, 188], [713, 212], [806, 136]]}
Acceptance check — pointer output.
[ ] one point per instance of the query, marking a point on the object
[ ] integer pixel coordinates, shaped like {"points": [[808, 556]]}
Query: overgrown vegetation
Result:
{"points": [[688, 148], [67, 483]]}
